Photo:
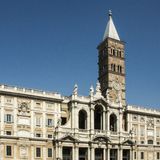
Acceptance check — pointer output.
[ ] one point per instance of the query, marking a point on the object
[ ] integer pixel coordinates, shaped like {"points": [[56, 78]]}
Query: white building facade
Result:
{"points": [[39, 125]]}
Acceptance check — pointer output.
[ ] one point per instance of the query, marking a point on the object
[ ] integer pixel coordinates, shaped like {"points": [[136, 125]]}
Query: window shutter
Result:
{"points": [[12, 119], [5, 118], [46, 122]]}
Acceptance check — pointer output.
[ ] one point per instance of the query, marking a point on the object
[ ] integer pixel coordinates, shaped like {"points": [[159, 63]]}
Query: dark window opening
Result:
{"points": [[113, 154], [82, 119], [98, 154], [158, 155], [67, 153], [38, 152], [83, 155], [8, 132], [114, 52], [9, 150], [113, 123], [142, 155], [38, 135], [49, 135], [125, 126], [150, 141], [49, 152], [98, 118], [63, 120], [126, 154]]}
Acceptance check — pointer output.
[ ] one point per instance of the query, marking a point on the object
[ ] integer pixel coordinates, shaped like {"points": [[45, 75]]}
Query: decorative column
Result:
{"points": [[108, 153], [44, 153], [104, 154], [76, 152], [73, 153], [92, 153], [132, 154], [43, 120], [15, 152], [2, 115], [104, 120], [107, 121], [2, 151], [32, 152], [120, 121], [92, 119], [155, 131], [57, 150], [32, 118], [15, 116], [89, 154], [60, 150], [120, 153]]}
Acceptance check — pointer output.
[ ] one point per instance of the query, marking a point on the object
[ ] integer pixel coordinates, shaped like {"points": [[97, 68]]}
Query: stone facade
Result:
{"points": [[39, 125]]}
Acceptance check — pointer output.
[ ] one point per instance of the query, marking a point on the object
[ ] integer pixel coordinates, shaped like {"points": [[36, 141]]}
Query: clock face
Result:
{"points": [[116, 85]]}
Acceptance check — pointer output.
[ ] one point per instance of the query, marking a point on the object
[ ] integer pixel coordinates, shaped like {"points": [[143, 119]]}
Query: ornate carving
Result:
{"points": [[150, 124], [23, 151], [134, 118], [23, 108], [142, 119]]}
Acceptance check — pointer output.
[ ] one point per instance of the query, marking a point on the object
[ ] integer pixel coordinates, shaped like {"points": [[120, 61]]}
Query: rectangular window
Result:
{"points": [[38, 121], [38, 105], [38, 152], [8, 132], [38, 135], [158, 155], [63, 120], [8, 150], [142, 131], [142, 155], [8, 118], [49, 135], [49, 152], [8, 100], [49, 122], [135, 155]]}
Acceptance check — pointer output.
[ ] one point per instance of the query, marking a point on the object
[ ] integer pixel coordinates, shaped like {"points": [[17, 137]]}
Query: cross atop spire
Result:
{"points": [[111, 31]]}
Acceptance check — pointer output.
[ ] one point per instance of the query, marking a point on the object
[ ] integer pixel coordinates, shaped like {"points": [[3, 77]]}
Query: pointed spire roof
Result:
{"points": [[111, 31]]}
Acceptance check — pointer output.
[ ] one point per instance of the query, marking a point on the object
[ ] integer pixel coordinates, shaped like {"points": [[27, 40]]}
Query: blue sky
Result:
{"points": [[51, 44]]}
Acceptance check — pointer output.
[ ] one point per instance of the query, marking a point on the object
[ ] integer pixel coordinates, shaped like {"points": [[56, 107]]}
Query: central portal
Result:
{"points": [[67, 153], [98, 154], [83, 155], [126, 154]]}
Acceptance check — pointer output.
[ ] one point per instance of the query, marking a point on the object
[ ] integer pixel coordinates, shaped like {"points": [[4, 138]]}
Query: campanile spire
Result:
{"points": [[111, 31]]}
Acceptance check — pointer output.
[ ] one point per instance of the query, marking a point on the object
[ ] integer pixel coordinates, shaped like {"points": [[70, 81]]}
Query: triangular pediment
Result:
{"points": [[101, 139], [68, 138], [128, 142], [101, 101]]}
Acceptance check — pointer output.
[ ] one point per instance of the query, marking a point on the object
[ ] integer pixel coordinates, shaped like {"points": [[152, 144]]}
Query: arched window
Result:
{"points": [[120, 54], [82, 119], [114, 52], [120, 69], [98, 117], [114, 67], [113, 123]]}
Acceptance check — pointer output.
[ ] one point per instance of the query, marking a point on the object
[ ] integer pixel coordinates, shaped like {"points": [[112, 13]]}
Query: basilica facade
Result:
{"points": [[40, 125]]}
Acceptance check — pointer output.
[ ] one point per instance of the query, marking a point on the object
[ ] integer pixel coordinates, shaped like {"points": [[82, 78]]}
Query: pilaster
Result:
{"points": [[2, 115]]}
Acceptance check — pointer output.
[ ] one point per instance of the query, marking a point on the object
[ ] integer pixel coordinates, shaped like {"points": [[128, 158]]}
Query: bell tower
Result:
{"points": [[111, 62]]}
